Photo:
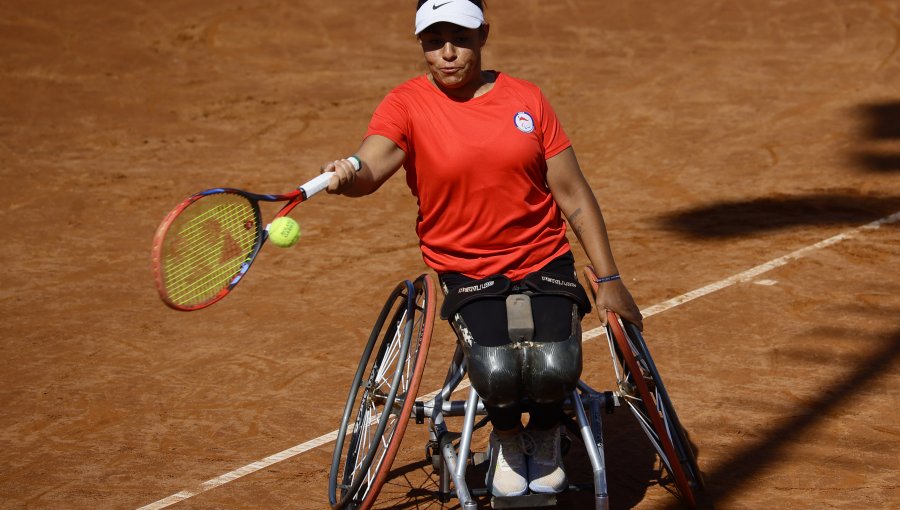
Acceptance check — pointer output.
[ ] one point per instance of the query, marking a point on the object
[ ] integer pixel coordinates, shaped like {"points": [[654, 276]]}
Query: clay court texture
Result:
{"points": [[746, 155]]}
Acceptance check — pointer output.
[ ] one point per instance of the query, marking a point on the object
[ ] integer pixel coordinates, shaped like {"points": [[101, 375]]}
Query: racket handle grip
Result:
{"points": [[316, 184]]}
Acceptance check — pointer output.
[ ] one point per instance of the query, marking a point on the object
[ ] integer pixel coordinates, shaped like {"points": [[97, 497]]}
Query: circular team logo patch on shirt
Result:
{"points": [[524, 122]]}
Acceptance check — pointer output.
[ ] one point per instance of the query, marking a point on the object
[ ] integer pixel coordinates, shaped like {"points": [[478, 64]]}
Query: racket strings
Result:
{"points": [[206, 247]]}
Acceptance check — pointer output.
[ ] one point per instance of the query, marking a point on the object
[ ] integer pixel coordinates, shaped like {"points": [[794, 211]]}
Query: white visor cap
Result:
{"points": [[459, 12]]}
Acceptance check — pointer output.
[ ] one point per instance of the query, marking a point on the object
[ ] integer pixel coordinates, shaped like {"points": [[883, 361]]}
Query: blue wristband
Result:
{"points": [[610, 278]]}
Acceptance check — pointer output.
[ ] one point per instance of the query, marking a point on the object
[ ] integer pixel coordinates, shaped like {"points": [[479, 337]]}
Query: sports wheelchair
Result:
{"points": [[382, 400]]}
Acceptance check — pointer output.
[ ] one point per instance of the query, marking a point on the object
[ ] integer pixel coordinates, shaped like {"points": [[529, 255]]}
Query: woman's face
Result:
{"points": [[453, 55]]}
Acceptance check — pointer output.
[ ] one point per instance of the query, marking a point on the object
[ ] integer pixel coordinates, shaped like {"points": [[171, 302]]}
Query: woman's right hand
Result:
{"points": [[344, 175], [378, 157]]}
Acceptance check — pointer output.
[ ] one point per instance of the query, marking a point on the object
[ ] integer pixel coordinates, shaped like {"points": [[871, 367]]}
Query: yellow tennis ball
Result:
{"points": [[284, 232]]}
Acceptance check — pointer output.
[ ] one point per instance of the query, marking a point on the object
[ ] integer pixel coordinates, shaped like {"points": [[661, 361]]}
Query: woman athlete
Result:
{"points": [[493, 173]]}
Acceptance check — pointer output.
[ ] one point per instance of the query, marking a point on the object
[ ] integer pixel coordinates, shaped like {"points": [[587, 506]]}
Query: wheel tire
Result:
{"points": [[680, 440], [642, 388], [382, 396]]}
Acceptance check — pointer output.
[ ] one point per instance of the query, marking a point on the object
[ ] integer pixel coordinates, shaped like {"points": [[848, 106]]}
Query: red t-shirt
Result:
{"points": [[478, 169]]}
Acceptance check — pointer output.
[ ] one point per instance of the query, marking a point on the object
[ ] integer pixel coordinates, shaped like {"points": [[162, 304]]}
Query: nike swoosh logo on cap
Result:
{"points": [[438, 6]]}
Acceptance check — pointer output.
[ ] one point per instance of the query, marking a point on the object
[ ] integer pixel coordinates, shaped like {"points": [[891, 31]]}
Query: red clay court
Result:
{"points": [[746, 156]]}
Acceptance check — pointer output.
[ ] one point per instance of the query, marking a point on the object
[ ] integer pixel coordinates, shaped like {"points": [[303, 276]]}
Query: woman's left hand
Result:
{"points": [[614, 296]]}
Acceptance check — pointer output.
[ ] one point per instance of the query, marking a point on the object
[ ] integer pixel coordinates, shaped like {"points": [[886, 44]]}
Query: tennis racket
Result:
{"points": [[205, 245]]}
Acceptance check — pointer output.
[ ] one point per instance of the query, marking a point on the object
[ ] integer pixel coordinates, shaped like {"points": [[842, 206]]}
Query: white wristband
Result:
{"points": [[357, 164]]}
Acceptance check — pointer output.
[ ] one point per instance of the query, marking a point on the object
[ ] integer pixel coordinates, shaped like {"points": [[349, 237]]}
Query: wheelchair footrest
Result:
{"points": [[526, 501]]}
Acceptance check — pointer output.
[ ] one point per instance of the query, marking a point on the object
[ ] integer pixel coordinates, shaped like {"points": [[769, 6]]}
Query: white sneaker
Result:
{"points": [[506, 472], [545, 468]]}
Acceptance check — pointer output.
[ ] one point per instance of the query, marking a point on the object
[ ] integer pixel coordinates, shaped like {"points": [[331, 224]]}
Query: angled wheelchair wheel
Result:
{"points": [[382, 395], [642, 390], [645, 395]]}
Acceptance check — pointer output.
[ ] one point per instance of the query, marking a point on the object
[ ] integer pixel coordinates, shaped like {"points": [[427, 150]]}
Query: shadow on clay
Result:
{"points": [[881, 129], [877, 152], [631, 467], [752, 458], [880, 153], [735, 219]]}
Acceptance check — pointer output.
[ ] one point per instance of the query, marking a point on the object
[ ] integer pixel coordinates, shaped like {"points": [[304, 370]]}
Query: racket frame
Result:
{"points": [[293, 199]]}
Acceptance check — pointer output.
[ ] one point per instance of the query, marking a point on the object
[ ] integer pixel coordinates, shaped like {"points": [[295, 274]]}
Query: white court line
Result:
{"points": [[653, 310]]}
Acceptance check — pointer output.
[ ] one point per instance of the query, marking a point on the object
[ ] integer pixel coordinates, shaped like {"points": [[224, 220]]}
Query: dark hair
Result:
{"points": [[479, 3]]}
